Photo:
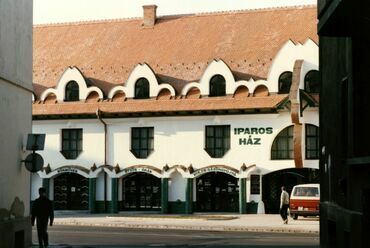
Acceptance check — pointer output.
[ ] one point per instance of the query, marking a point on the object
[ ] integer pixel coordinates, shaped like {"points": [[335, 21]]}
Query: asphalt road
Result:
{"points": [[80, 236]]}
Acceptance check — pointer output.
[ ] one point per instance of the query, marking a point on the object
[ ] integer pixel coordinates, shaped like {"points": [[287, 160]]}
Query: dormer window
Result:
{"points": [[285, 81], [217, 86], [142, 88], [72, 92], [312, 82]]}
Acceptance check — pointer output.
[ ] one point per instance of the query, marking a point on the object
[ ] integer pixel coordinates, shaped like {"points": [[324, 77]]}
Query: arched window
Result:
{"points": [[282, 148], [217, 86], [72, 92], [312, 82], [312, 142], [142, 88], [285, 81]]}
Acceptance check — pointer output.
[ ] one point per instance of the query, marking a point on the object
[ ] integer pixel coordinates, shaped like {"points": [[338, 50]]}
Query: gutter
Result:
{"points": [[98, 115]]}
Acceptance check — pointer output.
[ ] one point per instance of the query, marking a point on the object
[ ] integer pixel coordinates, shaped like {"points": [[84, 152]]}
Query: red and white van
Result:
{"points": [[305, 200]]}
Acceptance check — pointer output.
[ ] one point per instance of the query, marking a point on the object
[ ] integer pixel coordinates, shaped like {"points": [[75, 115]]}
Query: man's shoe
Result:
{"points": [[286, 221]]}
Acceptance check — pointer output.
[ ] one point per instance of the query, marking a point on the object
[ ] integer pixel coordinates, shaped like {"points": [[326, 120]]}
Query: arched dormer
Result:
{"points": [[142, 71], [69, 75], [191, 88], [113, 93], [193, 93], [92, 97], [241, 92], [217, 72], [251, 86], [119, 96], [261, 90], [50, 98], [164, 94], [285, 58]]}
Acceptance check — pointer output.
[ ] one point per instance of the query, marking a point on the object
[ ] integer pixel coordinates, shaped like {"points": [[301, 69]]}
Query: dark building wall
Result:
{"points": [[344, 131]]}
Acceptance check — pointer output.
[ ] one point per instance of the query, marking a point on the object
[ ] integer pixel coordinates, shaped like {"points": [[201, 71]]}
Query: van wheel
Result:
{"points": [[295, 217]]}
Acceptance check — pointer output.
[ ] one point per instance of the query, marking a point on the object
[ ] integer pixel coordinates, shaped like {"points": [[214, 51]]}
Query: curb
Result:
{"points": [[201, 228]]}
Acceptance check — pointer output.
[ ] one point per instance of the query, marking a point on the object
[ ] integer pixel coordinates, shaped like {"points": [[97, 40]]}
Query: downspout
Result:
{"points": [[98, 115]]}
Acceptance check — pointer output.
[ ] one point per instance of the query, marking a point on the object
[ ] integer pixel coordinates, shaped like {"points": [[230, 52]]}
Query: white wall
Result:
{"points": [[92, 142], [15, 99], [177, 141], [176, 188], [15, 118], [181, 141], [15, 124]]}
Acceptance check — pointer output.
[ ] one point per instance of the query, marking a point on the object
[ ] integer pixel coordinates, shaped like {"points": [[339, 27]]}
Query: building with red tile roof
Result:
{"points": [[183, 99]]}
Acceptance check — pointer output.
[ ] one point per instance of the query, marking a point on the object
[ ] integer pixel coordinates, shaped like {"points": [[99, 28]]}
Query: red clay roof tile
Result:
{"points": [[178, 48]]}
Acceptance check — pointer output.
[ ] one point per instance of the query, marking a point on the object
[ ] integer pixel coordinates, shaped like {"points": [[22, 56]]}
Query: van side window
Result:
{"points": [[306, 191]]}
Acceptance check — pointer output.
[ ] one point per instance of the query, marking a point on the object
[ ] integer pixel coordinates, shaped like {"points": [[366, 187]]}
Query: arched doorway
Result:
{"points": [[272, 182], [71, 192], [217, 192], [141, 191]]}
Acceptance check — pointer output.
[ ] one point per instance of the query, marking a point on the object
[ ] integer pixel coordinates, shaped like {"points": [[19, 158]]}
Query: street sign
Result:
{"points": [[34, 162], [35, 141]]}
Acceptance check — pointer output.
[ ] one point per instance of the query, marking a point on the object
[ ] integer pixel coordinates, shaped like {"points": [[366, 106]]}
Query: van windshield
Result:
{"points": [[306, 191]]}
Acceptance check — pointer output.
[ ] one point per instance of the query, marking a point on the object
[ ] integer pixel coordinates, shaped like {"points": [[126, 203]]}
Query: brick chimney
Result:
{"points": [[150, 15]]}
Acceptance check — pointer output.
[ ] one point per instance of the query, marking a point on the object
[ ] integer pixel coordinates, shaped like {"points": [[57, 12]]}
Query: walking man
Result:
{"points": [[42, 211], [284, 204]]}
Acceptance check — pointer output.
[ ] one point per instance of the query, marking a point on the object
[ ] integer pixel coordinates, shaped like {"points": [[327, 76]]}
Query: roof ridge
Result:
{"points": [[199, 14], [266, 9], [86, 22]]}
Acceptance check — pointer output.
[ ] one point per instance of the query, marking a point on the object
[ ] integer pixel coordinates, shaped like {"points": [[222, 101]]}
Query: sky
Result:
{"points": [[56, 11]]}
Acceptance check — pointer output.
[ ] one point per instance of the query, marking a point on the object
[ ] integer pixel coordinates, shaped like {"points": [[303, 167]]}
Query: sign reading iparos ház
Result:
{"points": [[252, 135]]}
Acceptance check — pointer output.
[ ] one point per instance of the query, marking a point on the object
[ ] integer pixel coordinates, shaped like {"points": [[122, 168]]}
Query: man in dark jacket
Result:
{"points": [[42, 211]]}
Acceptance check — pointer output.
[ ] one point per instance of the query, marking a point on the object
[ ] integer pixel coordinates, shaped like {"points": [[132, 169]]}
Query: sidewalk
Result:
{"points": [[210, 222]]}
